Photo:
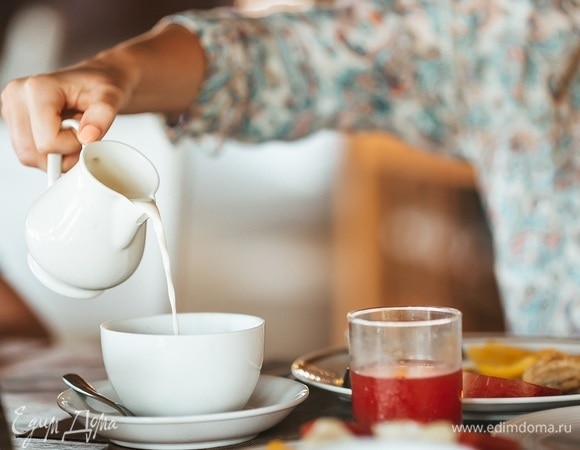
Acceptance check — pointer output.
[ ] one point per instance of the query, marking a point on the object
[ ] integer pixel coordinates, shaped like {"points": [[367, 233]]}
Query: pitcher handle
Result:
{"points": [[54, 160], [53, 167]]}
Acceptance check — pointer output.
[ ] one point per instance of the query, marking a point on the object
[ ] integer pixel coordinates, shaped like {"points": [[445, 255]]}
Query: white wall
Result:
{"points": [[255, 237]]}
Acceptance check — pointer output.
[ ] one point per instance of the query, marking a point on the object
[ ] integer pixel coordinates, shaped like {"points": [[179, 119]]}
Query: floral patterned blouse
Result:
{"points": [[494, 82]]}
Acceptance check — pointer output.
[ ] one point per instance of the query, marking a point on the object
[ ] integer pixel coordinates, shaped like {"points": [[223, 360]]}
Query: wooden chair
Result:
{"points": [[409, 230]]}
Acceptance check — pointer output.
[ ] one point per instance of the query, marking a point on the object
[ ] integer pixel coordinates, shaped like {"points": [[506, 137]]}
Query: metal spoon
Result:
{"points": [[80, 385]]}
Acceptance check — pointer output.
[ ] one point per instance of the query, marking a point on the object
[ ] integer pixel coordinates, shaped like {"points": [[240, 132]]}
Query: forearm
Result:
{"points": [[163, 69]]}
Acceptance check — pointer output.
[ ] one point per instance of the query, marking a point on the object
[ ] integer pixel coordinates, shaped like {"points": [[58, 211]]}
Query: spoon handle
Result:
{"points": [[80, 385]]}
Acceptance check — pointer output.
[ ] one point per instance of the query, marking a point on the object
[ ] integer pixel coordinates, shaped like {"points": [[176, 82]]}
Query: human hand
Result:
{"points": [[34, 108], [159, 71]]}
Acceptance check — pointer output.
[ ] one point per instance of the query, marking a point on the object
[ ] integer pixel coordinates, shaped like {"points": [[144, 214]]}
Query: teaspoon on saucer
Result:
{"points": [[80, 385]]}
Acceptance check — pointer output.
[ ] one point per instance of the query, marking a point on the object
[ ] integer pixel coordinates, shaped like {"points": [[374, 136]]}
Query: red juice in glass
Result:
{"points": [[424, 391]]}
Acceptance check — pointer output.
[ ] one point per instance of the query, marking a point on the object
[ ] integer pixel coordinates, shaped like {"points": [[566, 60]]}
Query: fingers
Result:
{"points": [[32, 109], [35, 107], [18, 123]]}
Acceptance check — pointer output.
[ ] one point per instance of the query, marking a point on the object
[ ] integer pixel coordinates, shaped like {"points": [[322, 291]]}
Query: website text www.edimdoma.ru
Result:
{"points": [[514, 428]]}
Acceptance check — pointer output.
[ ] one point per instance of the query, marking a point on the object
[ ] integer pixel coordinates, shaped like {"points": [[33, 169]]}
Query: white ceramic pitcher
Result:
{"points": [[86, 232]]}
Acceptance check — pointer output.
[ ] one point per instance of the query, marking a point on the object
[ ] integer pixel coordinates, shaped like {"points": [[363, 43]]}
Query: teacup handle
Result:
{"points": [[54, 160]]}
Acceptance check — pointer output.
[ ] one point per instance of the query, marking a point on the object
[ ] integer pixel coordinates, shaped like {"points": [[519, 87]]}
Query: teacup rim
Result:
{"points": [[109, 324]]}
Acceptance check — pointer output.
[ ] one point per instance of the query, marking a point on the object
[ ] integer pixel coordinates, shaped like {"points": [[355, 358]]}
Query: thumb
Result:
{"points": [[95, 122], [89, 133]]}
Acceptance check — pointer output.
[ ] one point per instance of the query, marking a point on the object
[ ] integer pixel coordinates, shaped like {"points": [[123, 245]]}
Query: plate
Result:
{"points": [[370, 444], [273, 399], [518, 405], [326, 369], [553, 429]]}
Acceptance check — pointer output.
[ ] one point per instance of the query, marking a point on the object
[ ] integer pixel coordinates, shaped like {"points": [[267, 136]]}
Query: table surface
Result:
{"points": [[30, 380]]}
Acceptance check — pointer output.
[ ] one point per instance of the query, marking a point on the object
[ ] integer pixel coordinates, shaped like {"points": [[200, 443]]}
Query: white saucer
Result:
{"points": [[273, 399]]}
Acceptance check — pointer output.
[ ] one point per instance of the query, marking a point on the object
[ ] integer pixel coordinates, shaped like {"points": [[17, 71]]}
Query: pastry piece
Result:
{"points": [[555, 370]]}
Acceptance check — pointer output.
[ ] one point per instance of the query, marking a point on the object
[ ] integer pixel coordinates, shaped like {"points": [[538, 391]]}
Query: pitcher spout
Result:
{"points": [[130, 219]]}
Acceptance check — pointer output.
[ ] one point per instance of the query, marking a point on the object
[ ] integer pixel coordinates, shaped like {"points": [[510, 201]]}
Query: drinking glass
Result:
{"points": [[405, 363]]}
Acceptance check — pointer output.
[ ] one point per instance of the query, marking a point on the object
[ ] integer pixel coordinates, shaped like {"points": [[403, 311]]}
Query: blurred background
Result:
{"points": [[249, 230], [298, 233]]}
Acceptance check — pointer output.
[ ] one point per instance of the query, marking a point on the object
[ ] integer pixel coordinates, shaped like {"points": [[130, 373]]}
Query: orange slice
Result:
{"points": [[505, 361]]}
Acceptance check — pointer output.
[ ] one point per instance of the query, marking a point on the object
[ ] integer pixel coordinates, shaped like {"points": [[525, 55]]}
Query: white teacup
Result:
{"points": [[212, 366]]}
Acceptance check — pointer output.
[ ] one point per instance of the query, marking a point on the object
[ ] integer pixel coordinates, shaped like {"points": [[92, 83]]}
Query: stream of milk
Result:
{"points": [[150, 208]]}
